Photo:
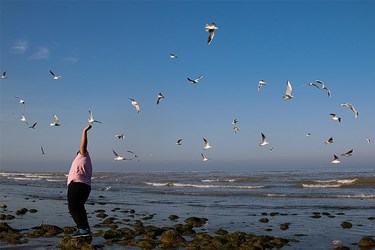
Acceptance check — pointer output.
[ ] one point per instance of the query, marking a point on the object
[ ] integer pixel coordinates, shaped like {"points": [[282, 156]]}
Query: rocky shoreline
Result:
{"points": [[126, 228]]}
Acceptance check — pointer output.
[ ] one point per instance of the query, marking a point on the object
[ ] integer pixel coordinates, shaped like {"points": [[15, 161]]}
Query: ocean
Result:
{"points": [[314, 202]]}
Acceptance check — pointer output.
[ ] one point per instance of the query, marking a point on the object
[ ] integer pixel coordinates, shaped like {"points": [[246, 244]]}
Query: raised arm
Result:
{"points": [[83, 148]]}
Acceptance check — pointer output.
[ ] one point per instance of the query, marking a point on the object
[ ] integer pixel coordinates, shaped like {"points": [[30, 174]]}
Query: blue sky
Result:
{"points": [[109, 51]]}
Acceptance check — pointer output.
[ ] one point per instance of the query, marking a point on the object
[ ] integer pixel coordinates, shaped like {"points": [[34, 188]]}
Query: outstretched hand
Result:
{"points": [[88, 127]]}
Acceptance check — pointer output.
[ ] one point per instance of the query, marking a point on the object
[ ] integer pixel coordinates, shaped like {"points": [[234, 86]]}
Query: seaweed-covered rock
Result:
{"points": [[221, 232], [22, 211], [173, 217], [45, 230], [3, 206], [10, 235], [33, 210], [4, 227], [113, 233], [284, 226], [366, 243], [82, 243], [346, 225], [264, 220], [171, 237], [195, 221]]}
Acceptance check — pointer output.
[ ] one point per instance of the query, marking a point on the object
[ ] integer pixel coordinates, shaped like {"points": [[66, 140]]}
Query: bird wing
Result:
{"points": [[288, 88]]}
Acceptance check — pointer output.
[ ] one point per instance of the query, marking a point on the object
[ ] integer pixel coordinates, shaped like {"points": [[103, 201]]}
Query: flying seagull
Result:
{"points": [[33, 126], [235, 130], [204, 158], [21, 101], [160, 96], [308, 134], [356, 113], [234, 122], [55, 121], [206, 144], [335, 117], [324, 87], [23, 118], [91, 118], [347, 154], [118, 157], [195, 81], [328, 91], [210, 28], [135, 104], [368, 140], [313, 85], [335, 160], [173, 56], [329, 141], [271, 149], [179, 142], [43, 153], [321, 82], [55, 77], [134, 154], [260, 84], [264, 140], [120, 136], [4, 75], [288, 92]]}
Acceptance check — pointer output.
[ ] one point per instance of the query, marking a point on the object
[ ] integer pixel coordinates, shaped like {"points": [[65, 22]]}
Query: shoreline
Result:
{"points": [[116, 227]]}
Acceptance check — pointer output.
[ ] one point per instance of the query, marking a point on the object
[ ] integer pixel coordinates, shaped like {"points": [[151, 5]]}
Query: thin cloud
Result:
{"points": [[71, 59], [42, 53], [21, 46]]}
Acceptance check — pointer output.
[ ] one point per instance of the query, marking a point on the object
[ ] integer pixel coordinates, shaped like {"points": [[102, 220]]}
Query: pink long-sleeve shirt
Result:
{"points": [[81, 169]]}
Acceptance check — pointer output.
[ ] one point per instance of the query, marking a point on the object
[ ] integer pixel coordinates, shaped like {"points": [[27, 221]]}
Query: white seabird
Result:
{"points": [[329, 141], [206, 144], [349, 153], [135, 104], [260, 84], [204, 158], [335, 117], [264, 140], [55, 121], [160, 96], [91, 118], [288, 92], [210, 28], [117, 156], [23, 118], [120, 136], [21, 101], [368, 140], [195, 81], [335, 160], [4, 75], [179, 142], [235, 130], [42, 149], [173, 56], [55, 77], [356, 113], [324, 87], [234, 122], [312, 85]]}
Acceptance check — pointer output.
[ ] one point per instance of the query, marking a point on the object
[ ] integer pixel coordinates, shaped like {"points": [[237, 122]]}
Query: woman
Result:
{"points": [[79, 186]]}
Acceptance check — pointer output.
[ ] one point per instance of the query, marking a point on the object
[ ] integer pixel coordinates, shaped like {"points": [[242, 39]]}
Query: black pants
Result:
{"points": [[78, 193]]}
